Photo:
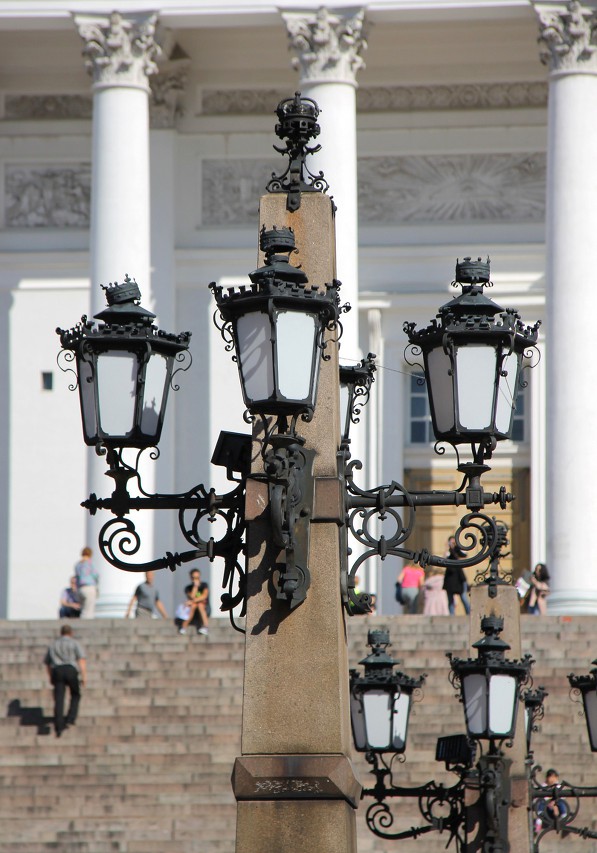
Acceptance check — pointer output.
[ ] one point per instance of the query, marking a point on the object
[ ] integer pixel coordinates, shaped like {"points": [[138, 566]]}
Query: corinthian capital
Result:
{"points": [[327, 44], [119, 50], [568, 36]]}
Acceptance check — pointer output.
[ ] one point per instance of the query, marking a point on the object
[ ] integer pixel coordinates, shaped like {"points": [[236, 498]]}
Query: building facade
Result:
{"points": [[139, 142]]}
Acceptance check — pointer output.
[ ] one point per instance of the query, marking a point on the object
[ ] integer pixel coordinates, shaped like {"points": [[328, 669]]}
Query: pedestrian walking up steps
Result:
{"points": [[147, 767]]}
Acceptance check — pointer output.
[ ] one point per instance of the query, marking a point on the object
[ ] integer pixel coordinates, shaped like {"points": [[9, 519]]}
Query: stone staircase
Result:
{"points": [[147, 767]]}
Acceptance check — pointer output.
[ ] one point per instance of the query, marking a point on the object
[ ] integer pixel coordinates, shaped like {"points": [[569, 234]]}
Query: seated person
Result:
{"points": [[197, 604], [70, 602]]}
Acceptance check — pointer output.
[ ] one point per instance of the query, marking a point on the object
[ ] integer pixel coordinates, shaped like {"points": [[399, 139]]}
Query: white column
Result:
{"points": [[327, 47], [119, 52], [568, 42], [538, 420]]}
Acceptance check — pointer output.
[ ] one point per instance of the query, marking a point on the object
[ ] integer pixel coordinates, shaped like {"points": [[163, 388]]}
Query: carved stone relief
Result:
{"points": [[433, 188], [119, 48], [47, 196], [327, 45], [231, 190], [35, 107], [568, 36], [389, 98], [452, 188]]}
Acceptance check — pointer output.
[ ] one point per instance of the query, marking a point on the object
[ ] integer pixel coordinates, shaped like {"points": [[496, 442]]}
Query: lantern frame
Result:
{"points": [[475, 679], [278, 291], [472, 338], [355, 387], [378, 679], [586, 685], [126, 331]]}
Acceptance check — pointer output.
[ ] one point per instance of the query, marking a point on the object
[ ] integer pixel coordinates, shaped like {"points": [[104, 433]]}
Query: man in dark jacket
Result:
{"points": [[65, 662]]}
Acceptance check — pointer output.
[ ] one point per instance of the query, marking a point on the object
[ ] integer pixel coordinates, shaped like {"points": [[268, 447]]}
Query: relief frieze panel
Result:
{"points": [[400, 189], [452, 188], [40, 107], [47, 196]]}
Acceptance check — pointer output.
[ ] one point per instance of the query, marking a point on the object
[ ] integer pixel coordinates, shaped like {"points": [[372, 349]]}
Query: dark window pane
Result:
{"points": [[418, 407], [518, 430], [418, 432]]}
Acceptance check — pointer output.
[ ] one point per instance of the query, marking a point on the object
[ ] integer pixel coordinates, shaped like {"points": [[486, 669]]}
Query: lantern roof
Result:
{"points": [[473, 313], [279, 280], [123, 320]]}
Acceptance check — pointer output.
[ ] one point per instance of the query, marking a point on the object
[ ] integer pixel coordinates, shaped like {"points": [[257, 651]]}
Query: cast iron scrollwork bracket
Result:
{"points": [[442, 808], [570, 795], [120, 543], [477, 536], [288, 469]]}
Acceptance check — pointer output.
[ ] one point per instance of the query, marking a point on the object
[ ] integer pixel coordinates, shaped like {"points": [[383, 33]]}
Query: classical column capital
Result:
{"points": [[327, 44], [167, 90], [119, 50], [568, 36]]}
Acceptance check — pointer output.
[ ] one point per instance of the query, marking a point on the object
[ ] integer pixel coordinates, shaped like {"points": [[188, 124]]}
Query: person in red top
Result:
{"points": [[411, 578]]}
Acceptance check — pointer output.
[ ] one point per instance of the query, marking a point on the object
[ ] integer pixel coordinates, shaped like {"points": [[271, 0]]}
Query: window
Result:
{"points": [[421, 429], [47, 381]]}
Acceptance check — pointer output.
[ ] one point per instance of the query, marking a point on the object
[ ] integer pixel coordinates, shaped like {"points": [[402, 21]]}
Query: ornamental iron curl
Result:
{"points": [[442, 808], [476, 536], [564, 799], [120, 542]]}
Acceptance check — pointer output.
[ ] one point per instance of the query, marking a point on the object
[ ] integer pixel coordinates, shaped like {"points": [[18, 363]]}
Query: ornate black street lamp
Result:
{"points": [[586, 686], [125, 367], [279, 327], [473, 353], [489, 685], [381, 699]]}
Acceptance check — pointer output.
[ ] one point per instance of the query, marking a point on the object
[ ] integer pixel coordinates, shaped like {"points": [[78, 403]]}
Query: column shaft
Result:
{"points": [[119, 52], [568, 38]]}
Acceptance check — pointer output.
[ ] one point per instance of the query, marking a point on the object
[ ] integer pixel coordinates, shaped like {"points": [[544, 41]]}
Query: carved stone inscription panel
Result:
{"points": [[47, 196]]}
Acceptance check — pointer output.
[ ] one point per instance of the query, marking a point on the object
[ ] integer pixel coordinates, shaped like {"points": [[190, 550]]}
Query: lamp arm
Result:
{"points": [[431, 797]]}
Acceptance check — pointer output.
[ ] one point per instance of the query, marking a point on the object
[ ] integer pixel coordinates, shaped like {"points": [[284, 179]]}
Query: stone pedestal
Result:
{"points": [[296, 726]]}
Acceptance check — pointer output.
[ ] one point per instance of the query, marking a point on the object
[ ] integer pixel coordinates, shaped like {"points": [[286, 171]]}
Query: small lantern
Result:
{"points": [[277, 328], [355, 385], [124, 368], [472, 355], [586, 685], [380, 700], [533, 711], [490, 685]]}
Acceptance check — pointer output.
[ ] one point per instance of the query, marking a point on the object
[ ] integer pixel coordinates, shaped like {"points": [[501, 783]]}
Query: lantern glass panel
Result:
{"points": [[400, 722], [87, 397], [253, 332], [116, 389], [502, 702], [155, 389], [475, 375], [590, 703], [474, 689], [295, 338], [378, 708], [344, 413], [439, 367], [507, 394], [358, 720]]}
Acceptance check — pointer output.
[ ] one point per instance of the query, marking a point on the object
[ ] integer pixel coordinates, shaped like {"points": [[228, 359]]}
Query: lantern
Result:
{"points": [[277, 328], [490, 684], [380, 700], [473, 353], [124, 367]]}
